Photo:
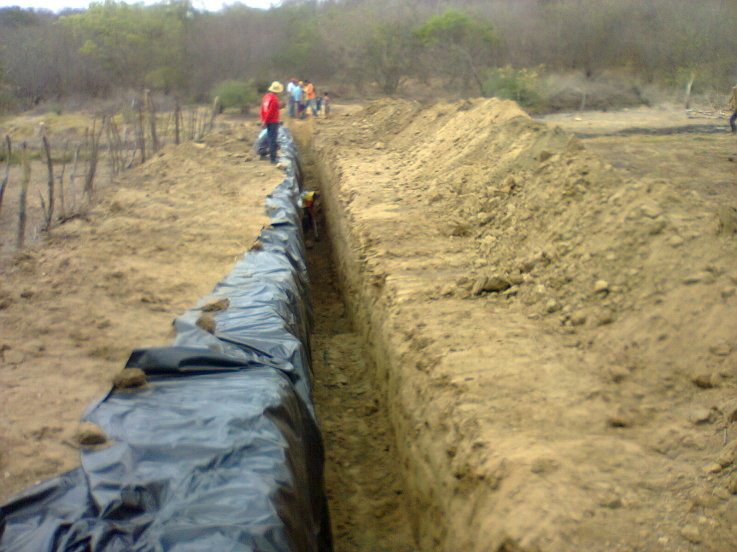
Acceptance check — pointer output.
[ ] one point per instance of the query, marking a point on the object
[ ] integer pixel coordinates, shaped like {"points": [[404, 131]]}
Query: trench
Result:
{"points": [[363, 477]]}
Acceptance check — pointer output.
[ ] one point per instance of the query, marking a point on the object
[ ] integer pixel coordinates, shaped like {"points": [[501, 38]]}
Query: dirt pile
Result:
{"points": [[111, 280], [560, 337]]}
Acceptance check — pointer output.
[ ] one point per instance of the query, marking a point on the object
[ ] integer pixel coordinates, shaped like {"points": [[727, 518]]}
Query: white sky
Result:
{"points": [[58, 5]]}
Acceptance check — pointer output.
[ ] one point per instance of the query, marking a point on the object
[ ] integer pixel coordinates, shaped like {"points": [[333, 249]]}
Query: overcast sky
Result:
{"points": [[58, 5]]}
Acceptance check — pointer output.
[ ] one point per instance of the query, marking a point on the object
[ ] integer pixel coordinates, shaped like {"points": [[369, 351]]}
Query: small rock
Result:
{"points": [[728, 292], [618, 373], [216, 305], [601, 286], [676, 241], [604, 318], [651, 210], [89, 434], [491, 284], [701, 415], [13, 356], [578, 318], [698, 277], [732, 484], [727, 216], [551, 306], [129, 377], [544, 156], [622, 417], [705, 380], [207, 323], [691, 533], [516, 279], [544, 465], [722, 349]]}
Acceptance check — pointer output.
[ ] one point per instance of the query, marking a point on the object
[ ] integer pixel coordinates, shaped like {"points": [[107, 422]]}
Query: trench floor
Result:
{"points": [[362, 471]]}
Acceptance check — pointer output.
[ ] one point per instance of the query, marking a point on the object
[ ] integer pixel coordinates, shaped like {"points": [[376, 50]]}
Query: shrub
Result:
{"points": [[233, 93], [520, 85]]}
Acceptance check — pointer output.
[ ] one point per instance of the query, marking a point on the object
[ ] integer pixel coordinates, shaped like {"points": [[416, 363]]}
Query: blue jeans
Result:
{"points": [[292, 107], [272, 131], [732, 119]]}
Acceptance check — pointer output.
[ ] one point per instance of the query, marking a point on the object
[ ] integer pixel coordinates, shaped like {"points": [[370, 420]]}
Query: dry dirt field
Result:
{"points": [[536, 346]]}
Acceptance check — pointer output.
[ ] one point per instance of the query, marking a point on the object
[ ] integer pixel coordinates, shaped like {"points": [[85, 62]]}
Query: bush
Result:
{"points": [[233, 93], [520, 85], [8, 102]]}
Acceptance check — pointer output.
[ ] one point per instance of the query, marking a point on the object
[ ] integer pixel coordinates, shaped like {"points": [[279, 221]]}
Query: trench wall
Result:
{"points": [[373, 314]]}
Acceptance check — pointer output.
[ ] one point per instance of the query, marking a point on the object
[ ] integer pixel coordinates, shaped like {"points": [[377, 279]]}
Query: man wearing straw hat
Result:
{"points": [[270, 116]]}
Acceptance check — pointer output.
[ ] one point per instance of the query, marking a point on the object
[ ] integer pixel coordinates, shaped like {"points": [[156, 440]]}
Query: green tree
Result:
{"points": [[234, 93], [133, 43], [389, 55], [459, 46]]}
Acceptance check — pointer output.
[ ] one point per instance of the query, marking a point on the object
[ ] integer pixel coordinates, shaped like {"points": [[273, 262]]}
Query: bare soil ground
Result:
{"points": [[74, 304], [556, 336], [587, 406]]}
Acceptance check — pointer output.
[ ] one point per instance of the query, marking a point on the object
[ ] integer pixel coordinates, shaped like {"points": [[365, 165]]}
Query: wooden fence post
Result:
{"points": [[177, 117], [50, 166], [151, 120], [7, 169], [20, 236]]}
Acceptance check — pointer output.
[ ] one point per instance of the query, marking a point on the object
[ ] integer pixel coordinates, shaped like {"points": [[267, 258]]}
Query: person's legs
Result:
{"points": [[272, 129], [291, 107], [732, 120]]}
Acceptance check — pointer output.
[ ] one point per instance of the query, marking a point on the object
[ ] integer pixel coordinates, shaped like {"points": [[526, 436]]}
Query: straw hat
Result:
{"points": [[276, 87]]}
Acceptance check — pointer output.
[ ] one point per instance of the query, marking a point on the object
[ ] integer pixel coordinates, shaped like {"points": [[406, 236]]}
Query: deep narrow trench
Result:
{"points": [[362, 470]]}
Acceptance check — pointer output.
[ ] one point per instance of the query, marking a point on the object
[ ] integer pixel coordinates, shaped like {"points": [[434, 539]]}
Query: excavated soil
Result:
{"points": [[555, 336]]}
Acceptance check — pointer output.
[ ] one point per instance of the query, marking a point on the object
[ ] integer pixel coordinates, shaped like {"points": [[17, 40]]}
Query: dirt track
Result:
{"points": [[587, 406]]}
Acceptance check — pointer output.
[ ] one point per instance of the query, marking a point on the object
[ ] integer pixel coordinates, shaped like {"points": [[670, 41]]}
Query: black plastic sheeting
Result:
{"points": [[220, 451]]}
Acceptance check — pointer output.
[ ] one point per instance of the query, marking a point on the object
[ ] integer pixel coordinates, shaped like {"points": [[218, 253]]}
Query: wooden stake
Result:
{"points": [[72, 178], [93, 159], [140, 132], [20, 236], [152, 121], [50, 167], [61, 179], [177, 118], [7, 169]]}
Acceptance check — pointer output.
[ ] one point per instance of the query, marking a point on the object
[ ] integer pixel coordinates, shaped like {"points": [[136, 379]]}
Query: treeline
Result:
{"points": [[365, 44]]}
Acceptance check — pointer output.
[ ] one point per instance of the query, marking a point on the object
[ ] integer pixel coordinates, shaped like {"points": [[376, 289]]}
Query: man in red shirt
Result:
{"points": [[270, 116]]}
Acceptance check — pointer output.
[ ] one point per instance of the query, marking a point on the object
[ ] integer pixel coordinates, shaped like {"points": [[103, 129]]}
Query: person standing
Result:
{"points": [[310, 95], [733, 107], [270, 116], [291, 100]]}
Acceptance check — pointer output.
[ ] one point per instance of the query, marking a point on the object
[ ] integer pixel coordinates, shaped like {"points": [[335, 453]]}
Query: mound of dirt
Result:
{"points": [[557, 340]]}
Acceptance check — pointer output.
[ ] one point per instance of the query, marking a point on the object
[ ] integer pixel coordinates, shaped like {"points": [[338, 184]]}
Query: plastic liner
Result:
{"points": [[220, 450]]}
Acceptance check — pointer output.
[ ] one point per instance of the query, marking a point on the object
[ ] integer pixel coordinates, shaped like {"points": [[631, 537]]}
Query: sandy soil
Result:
{"points": [[556, 336], [75, 304]]}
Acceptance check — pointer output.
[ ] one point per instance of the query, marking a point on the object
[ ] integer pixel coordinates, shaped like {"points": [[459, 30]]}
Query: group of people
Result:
{"points": [[301, 96]]}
